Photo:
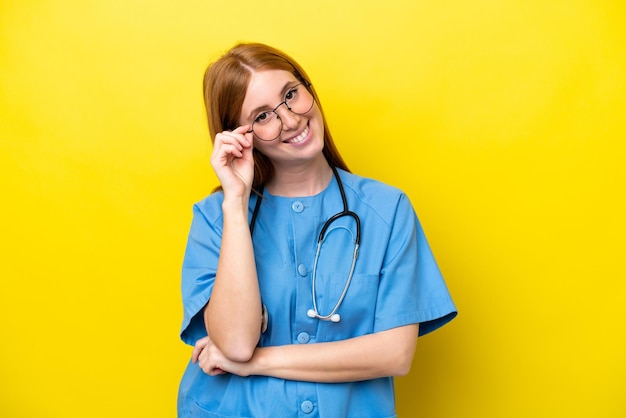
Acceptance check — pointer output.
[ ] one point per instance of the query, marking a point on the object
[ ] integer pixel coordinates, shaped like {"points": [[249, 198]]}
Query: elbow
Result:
{"points": [[396, 362], [403, 366], [238, 348], [404, 350], [239, 352], [401, 357], [236, 345]]}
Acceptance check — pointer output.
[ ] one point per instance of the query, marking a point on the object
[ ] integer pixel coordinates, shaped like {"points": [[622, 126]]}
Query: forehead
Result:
{"points": [[265, 88]]}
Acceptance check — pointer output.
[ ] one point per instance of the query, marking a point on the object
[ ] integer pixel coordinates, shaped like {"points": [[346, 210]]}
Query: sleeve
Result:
{"points": [[412, 289], [198, 273]]}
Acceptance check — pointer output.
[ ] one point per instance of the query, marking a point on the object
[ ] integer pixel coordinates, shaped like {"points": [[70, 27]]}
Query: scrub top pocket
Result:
{"points": [[358, 309]]}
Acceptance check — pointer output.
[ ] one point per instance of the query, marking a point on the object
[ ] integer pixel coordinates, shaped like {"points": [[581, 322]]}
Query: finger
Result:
{"points": [[195, 354], [197, 349], [241, 129], [229, 138], [244, 132], [239, 142], [250, 137], [216, 371], [236, 150]]}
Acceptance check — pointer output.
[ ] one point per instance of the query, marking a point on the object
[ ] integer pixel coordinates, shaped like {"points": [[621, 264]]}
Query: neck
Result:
{"points": [[301, 180]]}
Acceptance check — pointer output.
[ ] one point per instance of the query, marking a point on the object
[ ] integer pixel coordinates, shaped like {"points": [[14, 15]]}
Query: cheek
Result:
{"points": [[260, 146], [316, 116], [265, 149]]}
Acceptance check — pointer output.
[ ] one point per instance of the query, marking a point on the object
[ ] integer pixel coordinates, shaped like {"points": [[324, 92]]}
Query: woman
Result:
{"points": [[305, 287]]}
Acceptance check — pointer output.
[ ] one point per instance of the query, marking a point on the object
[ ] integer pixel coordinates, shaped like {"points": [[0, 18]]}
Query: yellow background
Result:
{"points": [[504, 121]]}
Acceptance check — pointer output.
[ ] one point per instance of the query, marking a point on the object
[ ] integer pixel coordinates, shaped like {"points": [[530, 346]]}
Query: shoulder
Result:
{"points": [[380, 197], [364, 186]]}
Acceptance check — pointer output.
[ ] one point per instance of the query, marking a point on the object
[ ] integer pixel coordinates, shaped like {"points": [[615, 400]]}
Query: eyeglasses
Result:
{"points": [[267, 126]]}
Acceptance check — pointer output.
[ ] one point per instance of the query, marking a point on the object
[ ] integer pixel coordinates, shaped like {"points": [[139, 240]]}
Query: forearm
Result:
{"points": [[233, 314], [387, 353]]}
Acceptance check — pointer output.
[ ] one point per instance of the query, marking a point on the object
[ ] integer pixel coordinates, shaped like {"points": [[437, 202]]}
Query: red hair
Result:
{"points": [[225, 85]]}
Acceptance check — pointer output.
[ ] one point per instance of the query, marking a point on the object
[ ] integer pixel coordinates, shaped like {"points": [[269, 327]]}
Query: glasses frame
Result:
{"points": [[306, 85]]}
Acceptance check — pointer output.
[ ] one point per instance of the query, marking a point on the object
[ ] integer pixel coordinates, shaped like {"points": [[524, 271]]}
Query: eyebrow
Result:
{"points": [[283, 91]]}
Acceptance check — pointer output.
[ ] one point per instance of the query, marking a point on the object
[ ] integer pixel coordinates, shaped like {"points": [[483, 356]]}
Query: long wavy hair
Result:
{"points": [[225, 85]]}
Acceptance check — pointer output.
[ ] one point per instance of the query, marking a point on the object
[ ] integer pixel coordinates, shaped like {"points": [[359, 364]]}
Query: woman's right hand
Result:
{"points": [[232, 161]]}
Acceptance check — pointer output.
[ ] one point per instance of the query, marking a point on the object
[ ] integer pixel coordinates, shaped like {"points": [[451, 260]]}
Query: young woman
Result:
{"points": [[305, 287]]}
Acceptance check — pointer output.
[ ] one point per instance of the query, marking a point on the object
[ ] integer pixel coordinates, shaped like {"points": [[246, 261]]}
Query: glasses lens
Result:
{"points": [[299, 100], [268, 126]]}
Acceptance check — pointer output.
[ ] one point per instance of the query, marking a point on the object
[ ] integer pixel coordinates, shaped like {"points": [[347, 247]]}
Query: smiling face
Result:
{"points": [[302, 135]]}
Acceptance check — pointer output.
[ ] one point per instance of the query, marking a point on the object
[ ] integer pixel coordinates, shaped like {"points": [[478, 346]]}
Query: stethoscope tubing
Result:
{"points": [[333, 316]]}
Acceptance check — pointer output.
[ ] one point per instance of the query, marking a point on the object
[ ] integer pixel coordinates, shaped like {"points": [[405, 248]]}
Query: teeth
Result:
{"points": [[300, 137]]}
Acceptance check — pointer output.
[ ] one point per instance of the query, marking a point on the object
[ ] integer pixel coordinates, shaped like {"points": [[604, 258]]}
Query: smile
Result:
{"points": [[300, 137]]}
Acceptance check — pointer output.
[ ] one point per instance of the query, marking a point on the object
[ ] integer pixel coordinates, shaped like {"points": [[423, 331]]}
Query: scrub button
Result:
{"points": [[303, 338], [307, 407], [302, 270], [297, 206]]}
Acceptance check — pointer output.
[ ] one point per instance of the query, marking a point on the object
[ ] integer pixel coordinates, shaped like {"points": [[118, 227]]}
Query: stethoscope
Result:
{"points": [[333, 316]]}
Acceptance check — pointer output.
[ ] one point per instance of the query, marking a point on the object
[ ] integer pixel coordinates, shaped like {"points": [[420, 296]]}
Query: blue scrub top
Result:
{"points": [[396, 282]]}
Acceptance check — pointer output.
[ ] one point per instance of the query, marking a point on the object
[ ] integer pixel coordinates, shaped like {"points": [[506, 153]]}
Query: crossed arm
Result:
{"points": [[386, 353]]}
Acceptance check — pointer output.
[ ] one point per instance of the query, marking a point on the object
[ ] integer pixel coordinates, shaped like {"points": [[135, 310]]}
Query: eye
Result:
{"points": [[262, 118], [291, 94]]}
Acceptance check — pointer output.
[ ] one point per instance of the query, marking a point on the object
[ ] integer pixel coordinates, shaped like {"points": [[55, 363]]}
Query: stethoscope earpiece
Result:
{"points": [[333, 318]]}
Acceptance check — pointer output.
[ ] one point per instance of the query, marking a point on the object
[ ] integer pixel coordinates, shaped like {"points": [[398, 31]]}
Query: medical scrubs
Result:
{"points": [[396, 282]]}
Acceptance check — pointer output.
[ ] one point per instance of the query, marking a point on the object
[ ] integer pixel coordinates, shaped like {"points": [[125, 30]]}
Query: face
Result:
{"points": [[302, 135]]}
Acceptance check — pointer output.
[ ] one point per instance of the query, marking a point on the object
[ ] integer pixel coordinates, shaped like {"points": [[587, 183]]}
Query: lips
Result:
{"points": [[299, 138]]}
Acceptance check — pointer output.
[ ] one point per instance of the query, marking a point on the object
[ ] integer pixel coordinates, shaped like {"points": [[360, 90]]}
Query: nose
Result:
{"points": [[287, 117]]}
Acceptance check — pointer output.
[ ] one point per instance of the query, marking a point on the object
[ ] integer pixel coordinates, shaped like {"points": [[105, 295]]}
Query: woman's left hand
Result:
{"points": [[211, 360]]}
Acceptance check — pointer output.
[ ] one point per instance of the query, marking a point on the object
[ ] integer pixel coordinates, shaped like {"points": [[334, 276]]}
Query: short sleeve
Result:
{"points": [[198, 273], [412, 289]]}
